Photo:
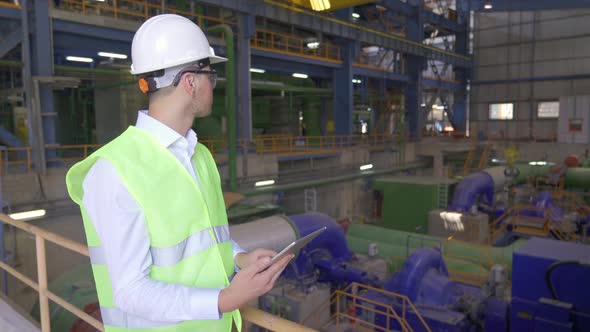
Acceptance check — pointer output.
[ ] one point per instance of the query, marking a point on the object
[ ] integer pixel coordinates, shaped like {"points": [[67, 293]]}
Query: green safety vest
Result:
{"points": [[187, 226]]}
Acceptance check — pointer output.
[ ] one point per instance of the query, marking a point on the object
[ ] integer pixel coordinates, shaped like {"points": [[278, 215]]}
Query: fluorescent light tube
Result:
{"points": [[112, 55], [28, 215], [366, 167], [264, 183], [298, 75], [78, 59], [256, 70]]}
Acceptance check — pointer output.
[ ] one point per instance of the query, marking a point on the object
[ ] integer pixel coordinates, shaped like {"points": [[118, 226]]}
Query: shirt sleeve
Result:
{"points": [[120, 224], [236, 249]]}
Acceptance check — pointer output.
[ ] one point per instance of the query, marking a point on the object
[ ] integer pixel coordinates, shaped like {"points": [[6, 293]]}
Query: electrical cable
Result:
{"points": [[551, 268]]}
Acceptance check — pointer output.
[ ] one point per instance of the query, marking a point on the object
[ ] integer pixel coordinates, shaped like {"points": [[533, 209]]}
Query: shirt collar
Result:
{"points": [[162, 133]]}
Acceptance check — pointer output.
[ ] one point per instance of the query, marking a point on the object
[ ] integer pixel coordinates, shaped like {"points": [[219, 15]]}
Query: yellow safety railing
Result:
{"points": [[249, 314], [347, 301], [282, 145], [317, 144], [9, 4], [289, 44], [132, 10], [533, 225]]}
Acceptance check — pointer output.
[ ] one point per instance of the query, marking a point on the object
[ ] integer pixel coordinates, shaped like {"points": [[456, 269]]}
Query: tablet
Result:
{"points": [[296, 245]]}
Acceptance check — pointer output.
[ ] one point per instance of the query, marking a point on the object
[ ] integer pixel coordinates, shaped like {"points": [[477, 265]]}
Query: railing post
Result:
{"points": [[146, 10], [115, 8], [337, 311], [42, 276], [83, 7]]}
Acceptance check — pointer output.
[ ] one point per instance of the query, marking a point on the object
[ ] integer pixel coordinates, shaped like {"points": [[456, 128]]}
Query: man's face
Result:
{"points": [[202, 95]]}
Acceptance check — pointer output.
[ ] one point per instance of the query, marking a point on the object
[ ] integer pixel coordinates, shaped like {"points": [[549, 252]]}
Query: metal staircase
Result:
{"points": [[477, 153], [351, 310]]}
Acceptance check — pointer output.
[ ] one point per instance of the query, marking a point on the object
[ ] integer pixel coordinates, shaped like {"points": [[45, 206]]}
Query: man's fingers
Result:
{"points": [[276, 267], [259, 266], [265, 252], [277, 275]]}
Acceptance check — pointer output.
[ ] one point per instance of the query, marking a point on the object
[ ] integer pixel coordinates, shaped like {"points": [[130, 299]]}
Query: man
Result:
{"points": [[152, 204]]}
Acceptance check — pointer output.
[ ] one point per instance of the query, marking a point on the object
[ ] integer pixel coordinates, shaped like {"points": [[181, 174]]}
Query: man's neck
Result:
{"points": [[179, 121]]}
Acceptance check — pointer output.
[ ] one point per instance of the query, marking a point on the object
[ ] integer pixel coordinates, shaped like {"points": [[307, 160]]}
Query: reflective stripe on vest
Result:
{"points": [[172, 255]]}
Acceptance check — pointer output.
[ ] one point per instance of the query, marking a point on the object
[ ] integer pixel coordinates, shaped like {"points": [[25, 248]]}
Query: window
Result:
{"points": [[548, 109], [502, 111]]}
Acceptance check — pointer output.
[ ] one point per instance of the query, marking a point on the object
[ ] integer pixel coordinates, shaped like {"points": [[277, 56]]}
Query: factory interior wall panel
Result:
{"points": [[409, 152], [131, 100], [258, 165], [115, 109], [31, 189], [339, 200], [511, 51], [536, 150], [107, 113]]}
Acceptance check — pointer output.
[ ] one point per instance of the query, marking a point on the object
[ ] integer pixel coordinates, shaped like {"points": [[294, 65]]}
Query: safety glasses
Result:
{"points": [[212, 75]]}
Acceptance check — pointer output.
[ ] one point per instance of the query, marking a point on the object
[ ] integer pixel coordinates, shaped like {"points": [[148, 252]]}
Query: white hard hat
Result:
{"points": [[169, 41]]}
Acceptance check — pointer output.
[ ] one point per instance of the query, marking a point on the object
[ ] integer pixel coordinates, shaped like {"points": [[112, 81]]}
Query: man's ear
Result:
{"points": [[189, 83]]}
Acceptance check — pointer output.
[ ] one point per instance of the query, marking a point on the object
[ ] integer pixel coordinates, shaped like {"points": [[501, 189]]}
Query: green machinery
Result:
{"points": [[407, 200]]}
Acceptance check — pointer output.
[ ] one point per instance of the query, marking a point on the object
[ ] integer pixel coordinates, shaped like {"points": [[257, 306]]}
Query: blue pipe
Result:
{"points": [[328, 252], [424, 278], [473, 186], [332, 239]]}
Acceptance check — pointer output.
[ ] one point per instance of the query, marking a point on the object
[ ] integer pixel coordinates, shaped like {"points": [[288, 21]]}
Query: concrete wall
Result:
{"points": [[512, 48], [115, 109]]}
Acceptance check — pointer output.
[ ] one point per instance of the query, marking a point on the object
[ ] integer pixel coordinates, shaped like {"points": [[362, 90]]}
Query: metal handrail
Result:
{"points": [[9, 5], [274, 41], [249, 314], [351, 293], [278, 144], [135, 9]]}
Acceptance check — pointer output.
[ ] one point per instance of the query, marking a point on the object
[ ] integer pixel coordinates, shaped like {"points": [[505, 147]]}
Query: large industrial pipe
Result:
{"points": [[274, 233], [488, 181], [578, 177]]}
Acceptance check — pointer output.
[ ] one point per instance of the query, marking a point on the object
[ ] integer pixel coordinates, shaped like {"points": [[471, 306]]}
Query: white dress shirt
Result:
{"points": [[120, 224]]}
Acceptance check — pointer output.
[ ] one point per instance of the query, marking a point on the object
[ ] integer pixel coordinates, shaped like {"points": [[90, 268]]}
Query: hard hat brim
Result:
{"points": [[216, 59], [213, 59]]}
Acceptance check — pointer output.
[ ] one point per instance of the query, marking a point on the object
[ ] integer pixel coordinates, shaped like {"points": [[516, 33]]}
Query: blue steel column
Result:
{"points": [[42, 65], [414, 67], [246, 31], [343, 92], [461, 74]]}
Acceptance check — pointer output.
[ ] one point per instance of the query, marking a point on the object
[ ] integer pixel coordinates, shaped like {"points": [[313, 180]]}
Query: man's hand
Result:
{"points": [[243, 259], [251, 282]]}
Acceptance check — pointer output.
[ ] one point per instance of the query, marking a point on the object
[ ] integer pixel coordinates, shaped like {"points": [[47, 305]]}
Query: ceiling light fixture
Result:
{"points": [[298, 75], [356, 15], [28, 215], [319, 5], [366, 167], [79, 59], [313, 45], [488, 5], [264, 183], [258, 71], [112, 55]]}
